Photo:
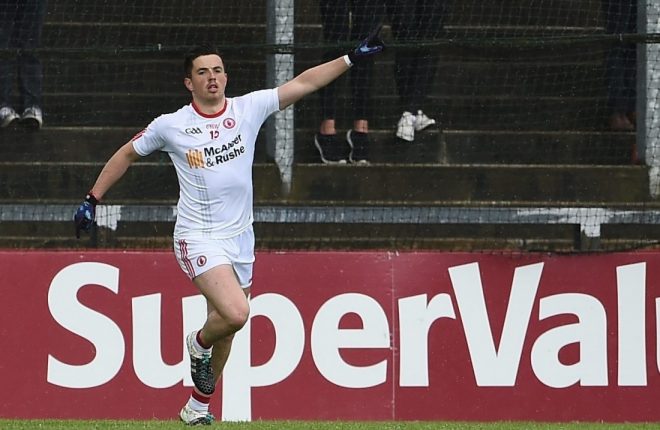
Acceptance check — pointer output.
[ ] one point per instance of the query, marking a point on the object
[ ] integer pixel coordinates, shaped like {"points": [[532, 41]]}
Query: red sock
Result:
{"points": [[200, 342], [201, 398]]}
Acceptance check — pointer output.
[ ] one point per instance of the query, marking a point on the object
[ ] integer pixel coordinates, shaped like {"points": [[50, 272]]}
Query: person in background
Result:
{"points": [[415, 22], [211, 142], [621, 64], [21, 23], [343, 21]]}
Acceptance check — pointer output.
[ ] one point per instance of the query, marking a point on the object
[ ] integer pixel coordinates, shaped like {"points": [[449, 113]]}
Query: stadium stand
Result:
{"points": [[522, 160]]}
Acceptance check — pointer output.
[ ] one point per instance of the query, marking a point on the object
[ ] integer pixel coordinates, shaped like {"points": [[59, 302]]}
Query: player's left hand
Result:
{"points": [[83, 218], [371, 45]]}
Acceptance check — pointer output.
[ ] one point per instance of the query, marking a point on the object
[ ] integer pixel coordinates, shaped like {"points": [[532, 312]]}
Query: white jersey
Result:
{"points": [[213, 156]]}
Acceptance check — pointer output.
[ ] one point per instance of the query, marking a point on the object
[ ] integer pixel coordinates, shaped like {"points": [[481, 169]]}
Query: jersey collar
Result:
{"points": [[213, 115]]}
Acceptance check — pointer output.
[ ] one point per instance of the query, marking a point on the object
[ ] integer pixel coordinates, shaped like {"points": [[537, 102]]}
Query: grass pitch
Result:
{"points": [[312, 425]]}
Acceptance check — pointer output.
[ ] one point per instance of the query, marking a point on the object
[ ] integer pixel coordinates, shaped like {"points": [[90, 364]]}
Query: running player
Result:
{"points": [[211, 143]]}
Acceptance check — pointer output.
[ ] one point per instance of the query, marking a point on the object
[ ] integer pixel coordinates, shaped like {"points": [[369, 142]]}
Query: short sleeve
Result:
{"points": [[148, 140], [263, 103]]}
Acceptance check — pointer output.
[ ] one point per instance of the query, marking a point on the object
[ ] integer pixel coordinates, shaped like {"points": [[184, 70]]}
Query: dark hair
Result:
{"points": [[195, 52]]}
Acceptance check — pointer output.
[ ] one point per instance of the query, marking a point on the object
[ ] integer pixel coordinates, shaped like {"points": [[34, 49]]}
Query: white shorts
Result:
{"points": [[197, 255]]}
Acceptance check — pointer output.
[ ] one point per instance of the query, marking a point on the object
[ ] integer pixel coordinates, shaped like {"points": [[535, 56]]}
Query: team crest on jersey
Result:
{"points": [[229, 123], [201, 261]]}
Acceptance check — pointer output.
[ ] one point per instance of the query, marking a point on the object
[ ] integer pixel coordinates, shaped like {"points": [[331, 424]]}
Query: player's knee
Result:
{"points": [[238, 317]]}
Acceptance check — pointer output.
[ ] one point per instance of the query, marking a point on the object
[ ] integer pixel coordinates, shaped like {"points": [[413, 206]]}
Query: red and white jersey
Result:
{"points": [[213, 156]]}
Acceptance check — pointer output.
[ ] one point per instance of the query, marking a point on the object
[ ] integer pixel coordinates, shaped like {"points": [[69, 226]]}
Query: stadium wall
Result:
{"points": [[339, 335]]}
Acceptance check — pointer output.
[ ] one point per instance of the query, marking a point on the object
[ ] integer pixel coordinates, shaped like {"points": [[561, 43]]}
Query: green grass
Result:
{"points": [[311, 425]]}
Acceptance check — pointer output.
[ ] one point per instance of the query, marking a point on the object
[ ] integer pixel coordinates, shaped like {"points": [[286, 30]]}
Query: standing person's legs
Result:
{"points": [[404, 29], [365, 18], [615, 78], [430, 15], [630, 79], [405, 32], [630, 61], [336, 30], [620, 17], [335, 23], [7, 62], [28, 39]]}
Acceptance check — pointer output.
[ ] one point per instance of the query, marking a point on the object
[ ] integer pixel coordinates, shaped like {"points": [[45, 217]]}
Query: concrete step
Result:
{"points": [[475, 112], [77, 144], [117, 75], [446, 147], [561, 14], [565, 14], [99, 35], [309, 236], [64, 144], [537, 147], [484, 113], [466, 95], [520, 107], [562, 232], [148, 11], [154, 180], [97, 144], [470, 184], [115, 51], [152, 38], [454, 78]]}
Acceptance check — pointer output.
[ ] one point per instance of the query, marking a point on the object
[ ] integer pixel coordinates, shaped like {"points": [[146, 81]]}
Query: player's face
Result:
{"points": [[208, 79]]}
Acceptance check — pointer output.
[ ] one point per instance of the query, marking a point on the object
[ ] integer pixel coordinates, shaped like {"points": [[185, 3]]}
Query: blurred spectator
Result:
{"points": [[621, 61], [415, 22], [344, 21], [21, 23]]}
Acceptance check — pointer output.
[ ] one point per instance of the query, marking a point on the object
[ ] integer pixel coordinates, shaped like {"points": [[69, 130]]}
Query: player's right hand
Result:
{"points": [[371, 45], [83, 218]]}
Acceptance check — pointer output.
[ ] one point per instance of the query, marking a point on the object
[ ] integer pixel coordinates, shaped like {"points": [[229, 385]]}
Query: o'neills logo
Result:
{"points": [[195, 159]]}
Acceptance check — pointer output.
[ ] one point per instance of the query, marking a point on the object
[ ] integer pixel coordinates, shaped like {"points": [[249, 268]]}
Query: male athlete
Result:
{"points": [[211, 143]]}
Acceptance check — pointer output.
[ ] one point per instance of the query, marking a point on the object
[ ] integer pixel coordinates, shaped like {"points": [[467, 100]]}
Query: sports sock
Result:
{"points": [[199, 345], [199, 402]]}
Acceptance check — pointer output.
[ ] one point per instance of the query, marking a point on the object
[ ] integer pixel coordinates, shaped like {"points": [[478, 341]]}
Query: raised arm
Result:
{"points": [[319, 76], [311, 80]]}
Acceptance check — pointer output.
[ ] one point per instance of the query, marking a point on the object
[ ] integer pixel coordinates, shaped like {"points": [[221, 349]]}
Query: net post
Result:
{"points": [[279, 69], [648, 59]]}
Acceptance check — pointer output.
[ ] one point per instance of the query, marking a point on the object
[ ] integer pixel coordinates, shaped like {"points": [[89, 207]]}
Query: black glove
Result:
{"points": [[83, 218], [368, 47]]}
